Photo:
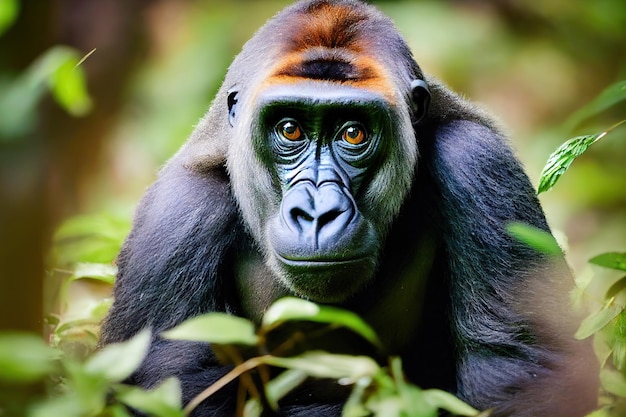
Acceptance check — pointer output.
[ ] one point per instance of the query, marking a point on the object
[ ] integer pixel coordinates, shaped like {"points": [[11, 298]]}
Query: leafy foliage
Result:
{"points": [[378, 391], [561, 159], [24, 358], [536, 238], [608, 324], [611, 260], [57, 71], [8, 13]]}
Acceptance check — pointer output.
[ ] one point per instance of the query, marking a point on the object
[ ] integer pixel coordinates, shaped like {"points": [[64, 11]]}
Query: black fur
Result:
{"points": [[468, 308]]}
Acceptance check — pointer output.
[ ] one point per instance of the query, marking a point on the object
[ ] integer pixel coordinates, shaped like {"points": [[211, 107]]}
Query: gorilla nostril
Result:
{"points": [[300, 216], [328, 217]]}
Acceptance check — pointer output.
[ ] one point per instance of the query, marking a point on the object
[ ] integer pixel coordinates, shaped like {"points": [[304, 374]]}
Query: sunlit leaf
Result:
{"points": [[414, 402], [117, 410], [66, 406], [390, 406], [617, 288], [90, 238], [611, 96], [613, 260], [58, 68], [8, 13], [446, 401], [162, 401], [25, 357], [327, 365], [253, 408], [69, 87], [606, 411], [55, 70], [561, 159], [117, 361], [537, 239], [219, 328], [291, 308], [355, 405], [598, 320], [283, 384], [619, 355], [97, 271], [613, 381]]}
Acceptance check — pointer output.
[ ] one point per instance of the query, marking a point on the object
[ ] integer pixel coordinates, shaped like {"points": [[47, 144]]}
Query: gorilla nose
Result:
{"points": [[317, 214], [313, 218]]}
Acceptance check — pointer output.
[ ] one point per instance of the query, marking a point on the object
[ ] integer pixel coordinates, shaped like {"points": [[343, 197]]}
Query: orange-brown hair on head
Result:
{"points": [[328, 25], [328, 40]]}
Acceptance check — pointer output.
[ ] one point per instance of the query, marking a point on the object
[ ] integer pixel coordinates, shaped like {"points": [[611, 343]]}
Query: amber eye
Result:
{"points": [[354, 135], [290, 130]]}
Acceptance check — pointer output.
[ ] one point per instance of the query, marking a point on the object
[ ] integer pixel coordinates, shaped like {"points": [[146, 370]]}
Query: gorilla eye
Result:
{"points": [[353, 134], [290, 130]]}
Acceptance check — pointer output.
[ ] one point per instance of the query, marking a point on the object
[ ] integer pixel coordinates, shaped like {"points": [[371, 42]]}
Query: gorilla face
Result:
{"points": [[322, 145]]}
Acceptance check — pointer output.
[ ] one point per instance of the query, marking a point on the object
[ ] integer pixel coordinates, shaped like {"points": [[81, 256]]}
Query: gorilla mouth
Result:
{"points": [[325, 279], [321, 262]]}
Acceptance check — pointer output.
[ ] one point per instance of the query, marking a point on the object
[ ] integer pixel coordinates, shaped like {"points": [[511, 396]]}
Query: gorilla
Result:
{"points": [[329, 167]]}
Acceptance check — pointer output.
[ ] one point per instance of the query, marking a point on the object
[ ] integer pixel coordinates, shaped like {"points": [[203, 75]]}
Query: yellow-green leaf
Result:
{"points": [[291, 308], [163, 401], [613, 260], [536, 238], [25, 357], [8, 13], [218, 328], [609, 97], [561, 159], [596, 321], [118, 361], [326, 365]]}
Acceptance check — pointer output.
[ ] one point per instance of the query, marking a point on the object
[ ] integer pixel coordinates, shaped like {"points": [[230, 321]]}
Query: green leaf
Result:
{"points": [[598, 320], [90, 238], [618, 288], [613, 260], [611, 96], [218, 328], [58, 68], [446, 401], [118, 361], [537, 239], [355, 405], [561, 159], [69, 87], [619, 355], [25, 357], [389, 406], [613, 381], [163, 401], [8, 13], [66, 406], [606, 411], [96, 271], [326, 365], [89, 387], [283, 384], [291, 308], [55, 70]]}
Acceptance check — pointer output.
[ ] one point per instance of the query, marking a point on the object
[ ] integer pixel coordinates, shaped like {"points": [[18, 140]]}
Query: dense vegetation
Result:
{"points": [[71, 177]]}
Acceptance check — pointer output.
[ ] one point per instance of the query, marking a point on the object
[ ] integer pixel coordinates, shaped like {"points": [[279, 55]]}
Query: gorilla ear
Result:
{"points": [[421, 99], [233, 100]]}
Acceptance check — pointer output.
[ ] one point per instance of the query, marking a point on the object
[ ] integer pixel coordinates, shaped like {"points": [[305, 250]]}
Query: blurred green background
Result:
{"points": [[158, 63]]}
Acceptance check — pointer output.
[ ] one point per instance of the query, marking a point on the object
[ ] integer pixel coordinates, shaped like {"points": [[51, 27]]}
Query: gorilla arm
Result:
{"points": [[509, 303], [174, 265]]}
